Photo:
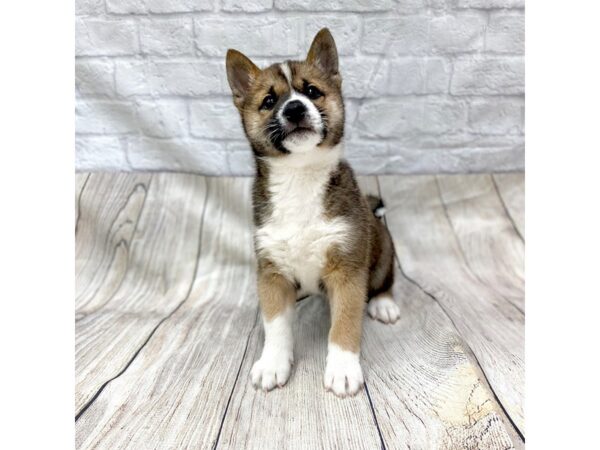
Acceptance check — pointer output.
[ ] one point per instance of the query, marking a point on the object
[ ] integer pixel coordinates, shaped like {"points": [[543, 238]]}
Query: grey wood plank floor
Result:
{"points": [[167, 322]]}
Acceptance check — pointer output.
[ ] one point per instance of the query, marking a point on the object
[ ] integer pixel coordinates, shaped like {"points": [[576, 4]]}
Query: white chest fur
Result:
{"points": [[297, 235]]}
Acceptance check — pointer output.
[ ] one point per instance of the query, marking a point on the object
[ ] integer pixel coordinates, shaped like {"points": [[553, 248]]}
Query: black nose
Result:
{"points": [[294, 111]]}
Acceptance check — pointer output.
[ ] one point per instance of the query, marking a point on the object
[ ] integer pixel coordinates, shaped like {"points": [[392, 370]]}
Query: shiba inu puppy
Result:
{"points": [[314, 230]]}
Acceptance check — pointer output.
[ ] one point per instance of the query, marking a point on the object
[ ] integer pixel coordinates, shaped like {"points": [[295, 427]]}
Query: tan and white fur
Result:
{"points": [[314, 231]]}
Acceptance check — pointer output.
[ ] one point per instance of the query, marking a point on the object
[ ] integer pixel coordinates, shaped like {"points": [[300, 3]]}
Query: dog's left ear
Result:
{"points": [[323, 54]]}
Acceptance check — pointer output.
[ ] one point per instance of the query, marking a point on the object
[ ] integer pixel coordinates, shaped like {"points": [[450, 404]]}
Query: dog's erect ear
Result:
{"points": [[241, 72], [323, 53]]}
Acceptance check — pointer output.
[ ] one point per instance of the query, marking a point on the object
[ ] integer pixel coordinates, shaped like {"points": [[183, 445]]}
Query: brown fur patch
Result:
{"points": [[275, 292], [371, 244], [347, 291]]}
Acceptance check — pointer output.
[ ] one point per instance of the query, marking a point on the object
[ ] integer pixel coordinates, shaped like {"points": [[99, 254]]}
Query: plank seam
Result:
{"points": [[476, 361], [237, 376], [383, 447], [376, 422], [510, 218], [185, 299], [462, 250]]}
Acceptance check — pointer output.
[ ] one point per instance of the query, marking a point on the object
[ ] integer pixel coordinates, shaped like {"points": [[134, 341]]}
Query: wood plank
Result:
{"points": [[80, 182], [491, 246], [429, 254], [174, 393], [426, 388], [511, 189], [135, 265], [110, 209]]}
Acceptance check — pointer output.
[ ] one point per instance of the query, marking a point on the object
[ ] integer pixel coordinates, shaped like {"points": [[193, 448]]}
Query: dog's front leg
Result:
{"points": [[277, 302], [347, 292]]}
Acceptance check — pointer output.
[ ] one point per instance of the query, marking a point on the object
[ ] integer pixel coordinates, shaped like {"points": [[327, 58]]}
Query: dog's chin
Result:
{"points": [[302, 140]]}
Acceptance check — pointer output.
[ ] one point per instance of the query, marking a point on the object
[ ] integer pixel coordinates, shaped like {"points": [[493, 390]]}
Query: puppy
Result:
{"points": [[314, 230]]}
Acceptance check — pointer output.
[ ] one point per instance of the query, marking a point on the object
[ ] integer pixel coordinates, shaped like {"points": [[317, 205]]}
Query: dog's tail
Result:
{"points": [[376, 205]]}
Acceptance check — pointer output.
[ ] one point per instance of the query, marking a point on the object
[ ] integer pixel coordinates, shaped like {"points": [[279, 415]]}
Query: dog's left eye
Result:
{"points": [[312, 92], [268, 102]]}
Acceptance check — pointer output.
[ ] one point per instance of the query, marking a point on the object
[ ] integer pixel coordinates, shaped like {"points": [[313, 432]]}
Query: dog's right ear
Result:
{"points": [[241, 72]]}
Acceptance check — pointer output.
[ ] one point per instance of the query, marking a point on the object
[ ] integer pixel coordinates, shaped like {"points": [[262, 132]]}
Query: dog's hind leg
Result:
{"points": [[381, 304]]}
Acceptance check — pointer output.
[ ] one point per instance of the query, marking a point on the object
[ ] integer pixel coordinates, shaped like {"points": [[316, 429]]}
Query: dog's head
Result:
{"points": [[294, 107]]}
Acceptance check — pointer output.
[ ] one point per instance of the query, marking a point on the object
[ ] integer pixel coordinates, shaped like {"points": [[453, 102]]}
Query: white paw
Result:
{"points": [[343, 374], [271, 370], [384, 309]]}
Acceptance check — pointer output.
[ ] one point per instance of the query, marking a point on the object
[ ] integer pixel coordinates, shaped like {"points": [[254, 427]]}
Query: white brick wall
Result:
{"points": [[430, 85]]}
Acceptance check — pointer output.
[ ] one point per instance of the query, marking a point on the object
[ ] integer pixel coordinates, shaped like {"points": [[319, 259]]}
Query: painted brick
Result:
{"points": [[490, 4], [396, 36], [390, 118], [362, 78], [440, 6], [92, 7], [158, 6], [247, 5], [428, 86], [334, 5], [457, 33], [444, 116], [178, 6], [416, 76], [167, 37], [95, 77], [127, 6], [100, 116], [397, 117], [497, 116], [460, 139], [506, 33], [163, 118], [351, 108], [368, 164], [95, 37], [437, 75], [240, 159], [218, 119], [99, 153], [187, 155], [253, 36], [365, 148], [411, 6], [187, 78], [488, 75], [454, 160], [345, 31]]}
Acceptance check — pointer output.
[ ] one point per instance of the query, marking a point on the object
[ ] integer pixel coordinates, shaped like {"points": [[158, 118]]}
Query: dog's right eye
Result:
{"points": [[268, 102]]}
